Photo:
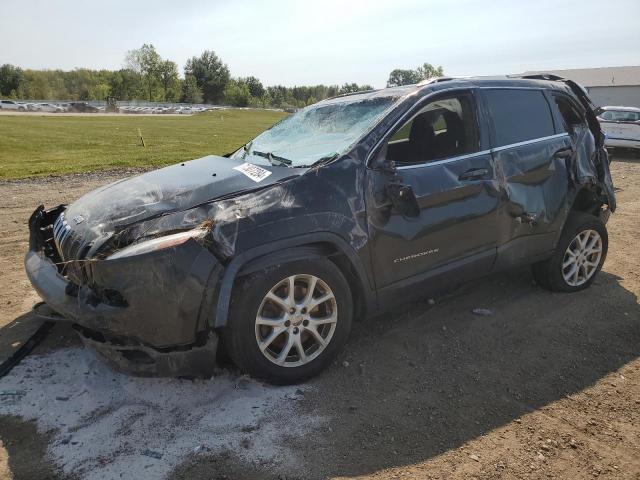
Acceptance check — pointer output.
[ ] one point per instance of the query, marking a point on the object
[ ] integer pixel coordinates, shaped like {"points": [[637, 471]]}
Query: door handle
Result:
{"points": [[473, 174], [565, 152]]}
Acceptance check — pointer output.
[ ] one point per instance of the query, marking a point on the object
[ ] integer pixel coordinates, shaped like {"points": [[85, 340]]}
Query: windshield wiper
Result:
{"points": [[246, 149], [325, 159], [273, 159]]}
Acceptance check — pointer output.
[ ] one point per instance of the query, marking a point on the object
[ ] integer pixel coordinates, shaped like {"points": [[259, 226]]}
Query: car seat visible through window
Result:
{"points": [[451, 141], [420, 139]]}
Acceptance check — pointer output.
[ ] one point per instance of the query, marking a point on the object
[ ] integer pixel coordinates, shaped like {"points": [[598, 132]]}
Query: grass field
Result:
{"points": [[44, 145]]}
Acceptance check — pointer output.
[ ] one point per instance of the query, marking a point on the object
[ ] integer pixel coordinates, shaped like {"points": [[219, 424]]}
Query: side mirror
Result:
{"points": [[403, 199]]}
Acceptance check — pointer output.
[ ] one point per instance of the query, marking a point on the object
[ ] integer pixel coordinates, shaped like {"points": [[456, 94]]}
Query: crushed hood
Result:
{"points": [[174, 188]]}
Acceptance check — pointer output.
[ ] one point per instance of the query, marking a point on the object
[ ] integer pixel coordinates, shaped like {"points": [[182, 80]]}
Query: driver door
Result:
{"points": [[440, 153]]}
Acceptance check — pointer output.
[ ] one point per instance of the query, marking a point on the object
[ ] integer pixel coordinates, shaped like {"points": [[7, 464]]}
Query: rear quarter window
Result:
{"points": [[570, 115], [519, 115]]}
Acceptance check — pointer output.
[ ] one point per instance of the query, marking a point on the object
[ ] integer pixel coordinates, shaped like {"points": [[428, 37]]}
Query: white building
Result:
{"points": [[619, 86]]}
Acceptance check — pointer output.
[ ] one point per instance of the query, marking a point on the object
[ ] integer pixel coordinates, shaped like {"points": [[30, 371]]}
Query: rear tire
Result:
{"points": [[285, 338], [579, 255]]}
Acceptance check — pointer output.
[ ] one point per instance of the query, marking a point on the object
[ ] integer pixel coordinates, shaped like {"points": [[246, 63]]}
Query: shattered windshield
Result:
{"points": [[315, 133]]}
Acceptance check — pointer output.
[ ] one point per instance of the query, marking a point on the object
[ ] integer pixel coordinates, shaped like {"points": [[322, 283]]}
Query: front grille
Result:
{"points": [[69, 246]]}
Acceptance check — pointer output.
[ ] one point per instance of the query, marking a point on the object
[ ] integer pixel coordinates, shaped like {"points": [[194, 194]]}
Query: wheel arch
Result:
{"points": [[589, 200], [315, 245]]}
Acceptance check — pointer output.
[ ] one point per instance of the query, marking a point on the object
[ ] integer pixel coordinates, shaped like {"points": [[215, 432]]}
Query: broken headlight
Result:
{"points": [[159, 243], [215, 224]]}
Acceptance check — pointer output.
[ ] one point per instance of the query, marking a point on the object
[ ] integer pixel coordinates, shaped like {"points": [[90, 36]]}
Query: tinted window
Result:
{"points": [[570, 115], [443, 128], [519, 115]]}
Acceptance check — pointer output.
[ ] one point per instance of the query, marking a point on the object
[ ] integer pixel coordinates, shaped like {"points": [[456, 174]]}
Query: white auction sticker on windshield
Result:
{"points": [[254, 172]]}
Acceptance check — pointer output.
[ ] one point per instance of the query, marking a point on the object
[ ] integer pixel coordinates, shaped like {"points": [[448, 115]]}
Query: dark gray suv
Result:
{"points": [[341, 211]]}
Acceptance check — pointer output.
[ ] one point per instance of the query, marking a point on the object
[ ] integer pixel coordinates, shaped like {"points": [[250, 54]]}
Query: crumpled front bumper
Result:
{"points": [[161, 300]]}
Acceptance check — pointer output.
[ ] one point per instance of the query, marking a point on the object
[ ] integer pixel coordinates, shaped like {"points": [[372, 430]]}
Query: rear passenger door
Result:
{"points": [[529, 158]]}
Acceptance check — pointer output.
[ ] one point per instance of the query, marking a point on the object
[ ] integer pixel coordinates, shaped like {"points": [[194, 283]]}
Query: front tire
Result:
{"points": [[579, 255], [286, 324]]}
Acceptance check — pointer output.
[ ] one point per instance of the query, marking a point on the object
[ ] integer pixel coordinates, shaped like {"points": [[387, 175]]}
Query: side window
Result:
{"points": [[622, 116], [607, 115], [443, 128], [571, 117], [519, 115]]}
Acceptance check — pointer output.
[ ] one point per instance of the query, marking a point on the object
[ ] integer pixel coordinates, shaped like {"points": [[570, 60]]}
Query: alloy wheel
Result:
{"points": [[582, 258], [296, 320]]}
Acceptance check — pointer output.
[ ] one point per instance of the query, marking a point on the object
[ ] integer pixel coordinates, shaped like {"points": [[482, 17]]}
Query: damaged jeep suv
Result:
{"points": [[342, 210]]}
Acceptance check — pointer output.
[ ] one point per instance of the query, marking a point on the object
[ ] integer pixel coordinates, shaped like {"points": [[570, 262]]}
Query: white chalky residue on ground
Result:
{"points": [[104, 421]]}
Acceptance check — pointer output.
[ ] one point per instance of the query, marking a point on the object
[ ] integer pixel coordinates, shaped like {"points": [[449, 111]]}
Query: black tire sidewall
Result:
{"points": [[576, 223], [239, 335]]}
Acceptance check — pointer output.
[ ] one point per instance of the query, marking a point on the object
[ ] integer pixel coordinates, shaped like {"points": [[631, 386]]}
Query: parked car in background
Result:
{"points": [[11, 105], [48, 107], [81, 107], [350, 207], [621, 125]]}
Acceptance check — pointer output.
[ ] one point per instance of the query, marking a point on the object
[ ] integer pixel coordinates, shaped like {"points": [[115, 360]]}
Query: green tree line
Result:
{"points": [[147, 76]]}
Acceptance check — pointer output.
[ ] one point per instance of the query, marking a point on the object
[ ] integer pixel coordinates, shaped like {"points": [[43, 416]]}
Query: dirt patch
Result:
{"points": [[547, 386], [22, 443]]}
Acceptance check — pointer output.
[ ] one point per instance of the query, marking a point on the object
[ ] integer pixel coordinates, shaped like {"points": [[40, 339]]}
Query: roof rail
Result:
{"points": [[353, 93], [540, 76], [428, 81]]}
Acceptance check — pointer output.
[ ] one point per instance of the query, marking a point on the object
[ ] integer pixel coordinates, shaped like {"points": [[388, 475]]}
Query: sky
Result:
{"points": [[292, 42]]}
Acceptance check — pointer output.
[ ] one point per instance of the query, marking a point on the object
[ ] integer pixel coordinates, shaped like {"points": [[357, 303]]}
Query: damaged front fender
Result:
{"points": [[157, 298]]}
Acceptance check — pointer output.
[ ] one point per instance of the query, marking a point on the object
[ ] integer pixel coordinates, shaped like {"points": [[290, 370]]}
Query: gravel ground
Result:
{"points": [[547, 386], [106, 425]]}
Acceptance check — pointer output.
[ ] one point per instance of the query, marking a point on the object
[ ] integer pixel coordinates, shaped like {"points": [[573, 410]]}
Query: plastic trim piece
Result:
{"points": [[529, 142], [483, 152], [25, 348], [446, 160]]}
